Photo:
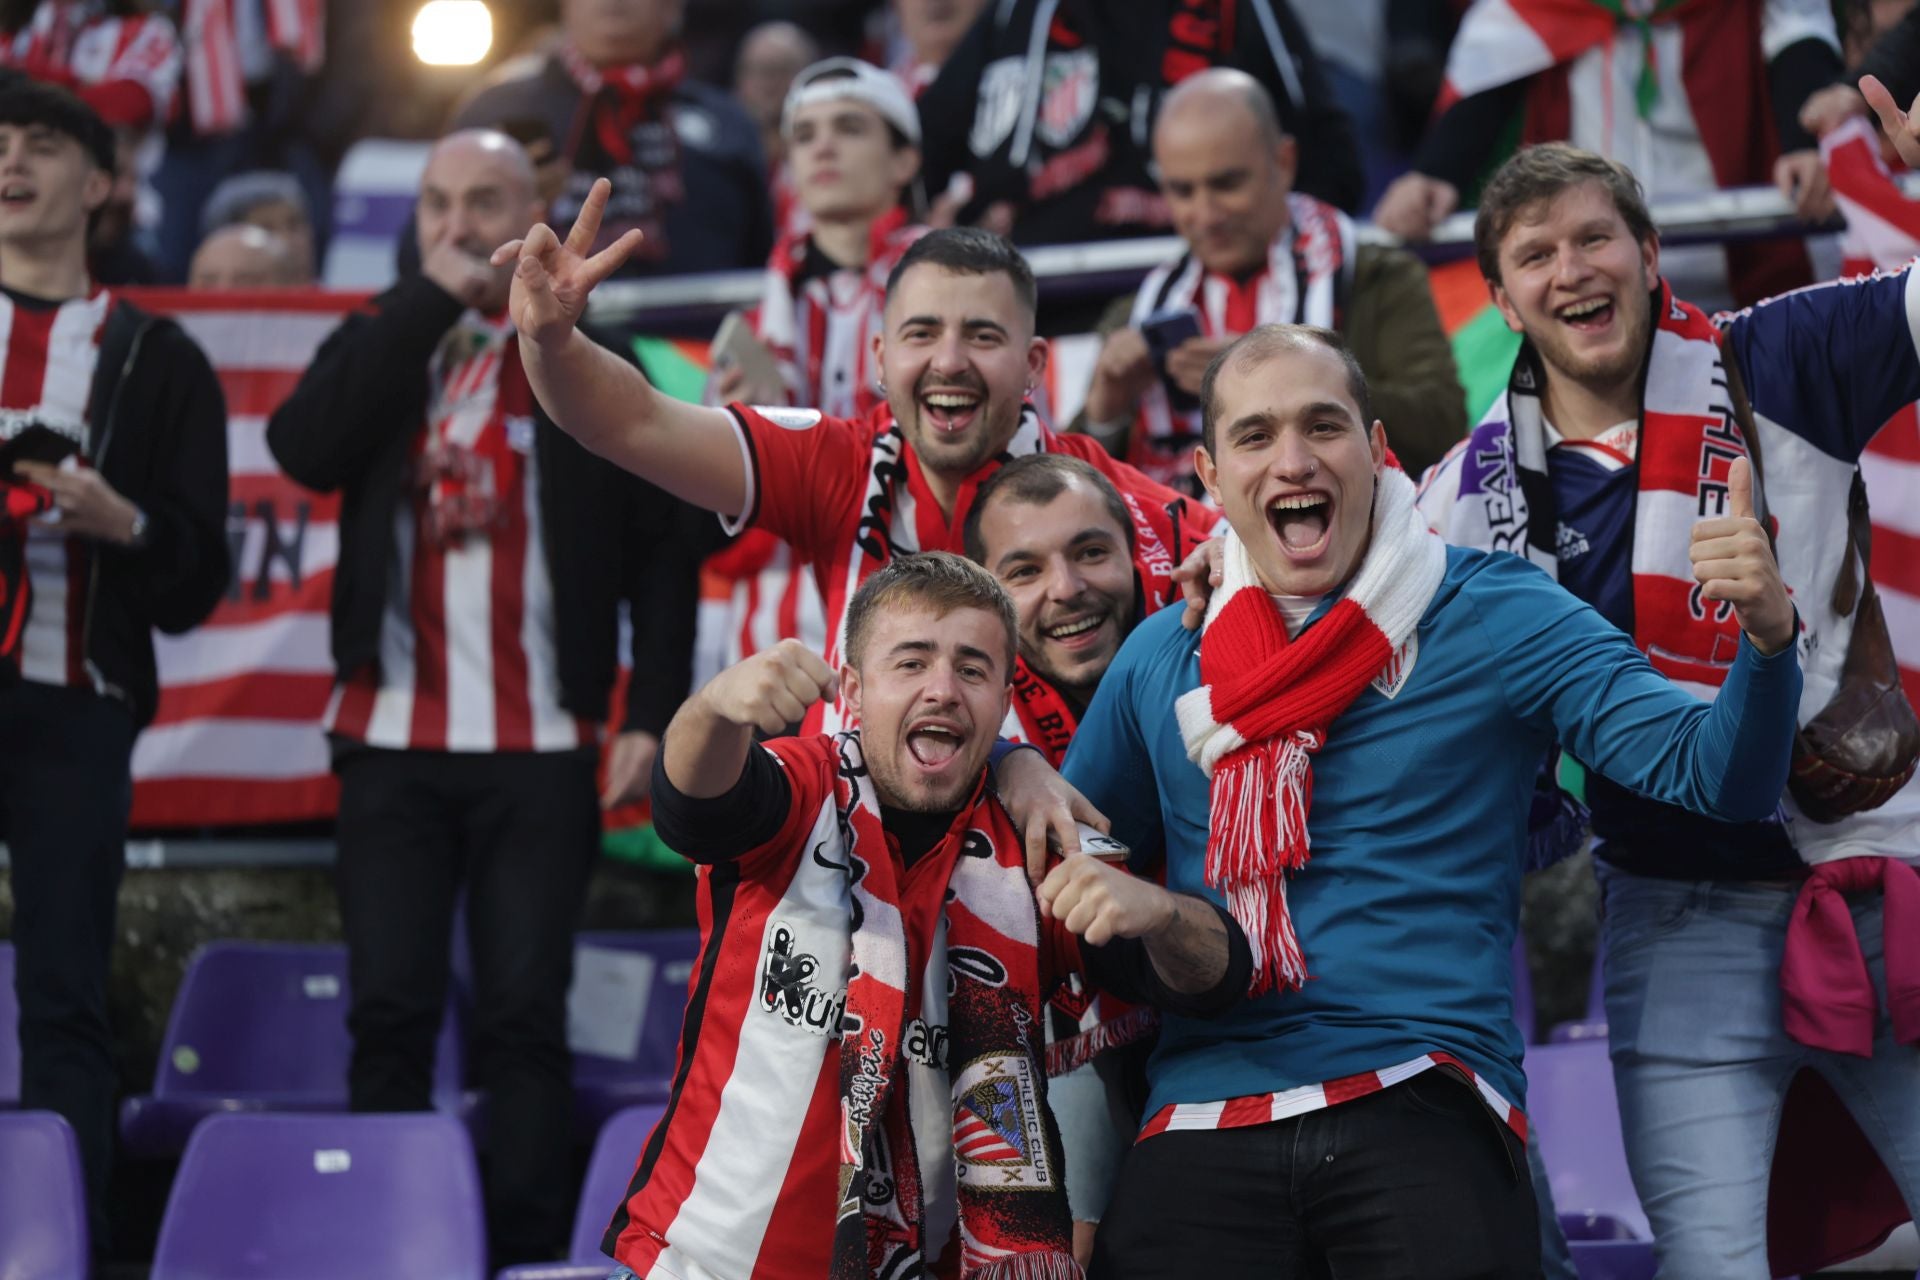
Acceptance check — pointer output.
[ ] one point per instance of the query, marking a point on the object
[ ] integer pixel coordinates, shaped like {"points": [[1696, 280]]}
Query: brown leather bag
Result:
{"points": [[1864, 744]]}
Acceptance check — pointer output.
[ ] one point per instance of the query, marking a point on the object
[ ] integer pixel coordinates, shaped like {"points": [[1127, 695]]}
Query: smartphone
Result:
{"points": [[1164, 331], [736, 346], [1096, 843]]}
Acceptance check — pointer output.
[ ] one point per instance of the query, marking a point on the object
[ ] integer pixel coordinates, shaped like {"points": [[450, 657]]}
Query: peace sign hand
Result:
{"points": [[552, 280]]}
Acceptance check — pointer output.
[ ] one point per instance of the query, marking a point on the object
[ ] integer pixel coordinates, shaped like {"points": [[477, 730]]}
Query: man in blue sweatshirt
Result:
{"points": [[1345, 759]]}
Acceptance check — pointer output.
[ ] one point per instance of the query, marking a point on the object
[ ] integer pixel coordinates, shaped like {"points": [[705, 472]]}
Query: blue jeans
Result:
{"points": [[1702, 1065]]}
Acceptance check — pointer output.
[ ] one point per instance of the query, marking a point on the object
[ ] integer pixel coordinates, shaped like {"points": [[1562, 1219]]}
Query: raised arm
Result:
{"points": [[601, 400], [707, 743]]}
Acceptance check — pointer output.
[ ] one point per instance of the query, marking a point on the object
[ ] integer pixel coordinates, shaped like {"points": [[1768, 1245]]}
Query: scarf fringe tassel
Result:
{"points": [[1260, 797], [1078, 1050], [1030, 1266]]}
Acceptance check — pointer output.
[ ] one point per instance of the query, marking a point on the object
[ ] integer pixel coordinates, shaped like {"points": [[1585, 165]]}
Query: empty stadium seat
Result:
{"points": [[9, 1031], [1571, 1103], [615, 1152], [258, 1027], [373, 195], [43, 1208], [323, 1197], [1612, 1259], [623, 1018]]}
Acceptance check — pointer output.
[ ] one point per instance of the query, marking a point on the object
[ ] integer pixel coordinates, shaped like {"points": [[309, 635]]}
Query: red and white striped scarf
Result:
{"points": [[466, 465], [972, 918], [820, 329], [216, 89], [1266, 704], [1305, 281], [621, 97], [1688, 441]]}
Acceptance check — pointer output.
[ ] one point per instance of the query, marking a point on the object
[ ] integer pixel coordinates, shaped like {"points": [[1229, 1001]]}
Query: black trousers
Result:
{"points": [[64, 795], [1417, 1182], [520, 831]]}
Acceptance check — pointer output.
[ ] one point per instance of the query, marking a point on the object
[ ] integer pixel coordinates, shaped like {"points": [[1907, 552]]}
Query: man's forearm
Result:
{"points": [[703, 752], [591, 393], [1190, 953]]}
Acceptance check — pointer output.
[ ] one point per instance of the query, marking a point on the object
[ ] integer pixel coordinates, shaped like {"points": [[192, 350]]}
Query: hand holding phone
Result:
{"points": [[1165, 331]]}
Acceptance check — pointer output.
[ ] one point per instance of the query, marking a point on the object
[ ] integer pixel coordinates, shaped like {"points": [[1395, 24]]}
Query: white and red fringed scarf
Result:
{"points": [[1266, 704], [1492, 491], [972, 928]]}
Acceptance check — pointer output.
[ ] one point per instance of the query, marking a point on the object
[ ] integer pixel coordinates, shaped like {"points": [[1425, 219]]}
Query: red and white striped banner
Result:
{"points": [[237, 736]]}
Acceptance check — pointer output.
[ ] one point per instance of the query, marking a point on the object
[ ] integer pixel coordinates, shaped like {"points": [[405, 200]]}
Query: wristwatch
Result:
{"points": [[137, 533]]}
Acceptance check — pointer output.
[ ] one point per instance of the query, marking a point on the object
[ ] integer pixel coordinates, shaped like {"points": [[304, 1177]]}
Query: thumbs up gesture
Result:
{"points": [[1733, 561]]}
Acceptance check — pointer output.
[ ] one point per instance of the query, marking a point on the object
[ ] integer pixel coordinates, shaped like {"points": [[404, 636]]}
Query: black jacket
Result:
{"points": [[157, 432], [1062, 126], [350, 426]]}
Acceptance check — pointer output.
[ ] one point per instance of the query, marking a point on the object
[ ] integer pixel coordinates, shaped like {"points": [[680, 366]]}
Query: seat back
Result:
{"points": [[43, 1204], [373, 196], [615, 1153], [257, 1019], [1572, 1105], [1524, 1013], [628, 997], [9, 1031], [264, 1196]]}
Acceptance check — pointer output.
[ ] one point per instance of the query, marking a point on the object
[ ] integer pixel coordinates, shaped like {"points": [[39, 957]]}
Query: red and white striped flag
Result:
{"points": [[1883, 231], [237, 736]]}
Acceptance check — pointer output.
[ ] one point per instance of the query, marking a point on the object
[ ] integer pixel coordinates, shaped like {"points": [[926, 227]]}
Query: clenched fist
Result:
{"points": [[1101, 902], [1733, 561], [771, 690]]}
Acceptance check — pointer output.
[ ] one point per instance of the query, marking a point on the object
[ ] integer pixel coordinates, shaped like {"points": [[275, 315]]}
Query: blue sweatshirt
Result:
{"points": [[1407, 909]]}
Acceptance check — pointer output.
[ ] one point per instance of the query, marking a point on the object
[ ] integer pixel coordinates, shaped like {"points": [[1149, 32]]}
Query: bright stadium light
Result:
{"points": [[452, 33]]}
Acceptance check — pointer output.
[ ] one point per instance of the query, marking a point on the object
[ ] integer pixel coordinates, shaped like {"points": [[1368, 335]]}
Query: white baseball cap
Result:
{"points": [[835, 79]]}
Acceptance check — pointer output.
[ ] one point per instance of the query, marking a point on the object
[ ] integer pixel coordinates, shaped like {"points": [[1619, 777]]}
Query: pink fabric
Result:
{"points": [[1827, 995]]}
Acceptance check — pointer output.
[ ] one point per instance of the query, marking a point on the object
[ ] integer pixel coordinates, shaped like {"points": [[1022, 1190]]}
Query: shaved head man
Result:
{"points": [[243, 256], [478, 189]]}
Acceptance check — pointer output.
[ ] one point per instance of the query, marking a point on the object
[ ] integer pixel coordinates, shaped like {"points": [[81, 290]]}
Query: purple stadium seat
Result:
{"points": [[1612, 1259], [1570, 1101], [9, 1032], [626, 1034], [43, 1209], [615, 1152], [258, 1027], [324, 1197], [1523, 1011]]}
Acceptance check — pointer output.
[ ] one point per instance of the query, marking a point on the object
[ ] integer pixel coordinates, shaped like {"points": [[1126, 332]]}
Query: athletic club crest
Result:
{"points": [[1393, 677], [999, 1134], [1069, 87]]}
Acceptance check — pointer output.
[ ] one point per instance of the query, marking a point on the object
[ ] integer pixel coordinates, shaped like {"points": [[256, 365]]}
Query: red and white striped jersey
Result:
{"points": [[467, 656], [1263, 1108], [127, 69], [50, 354], [741, 1177], [220, 61]]}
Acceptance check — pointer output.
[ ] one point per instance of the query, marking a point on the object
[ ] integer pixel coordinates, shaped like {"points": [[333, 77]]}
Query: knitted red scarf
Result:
{"points": [[1266, 704], [623, 96]]}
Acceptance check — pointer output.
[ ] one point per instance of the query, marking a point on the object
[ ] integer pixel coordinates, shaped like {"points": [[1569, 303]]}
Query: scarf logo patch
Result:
{"points": [[787, 987], [998, 1139], [1069, 88], [1393, 677]]}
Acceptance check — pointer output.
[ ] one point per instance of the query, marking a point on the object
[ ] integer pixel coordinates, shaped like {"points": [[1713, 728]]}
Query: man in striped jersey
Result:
{"points": [[860, 1083], [959, 358], [113, 427], [483, 557]]}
